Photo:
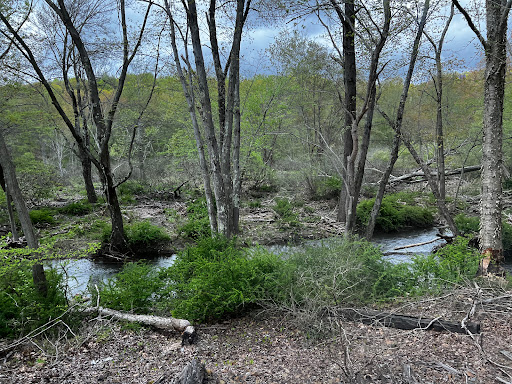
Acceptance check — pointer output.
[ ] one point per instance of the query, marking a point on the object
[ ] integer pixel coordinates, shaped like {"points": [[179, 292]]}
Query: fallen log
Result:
{"points": [[394, 320], [188, 332], [416, 245], [421, 174]]}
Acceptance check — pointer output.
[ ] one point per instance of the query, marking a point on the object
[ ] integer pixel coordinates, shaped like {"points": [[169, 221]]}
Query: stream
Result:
{"points": [[79, 272]]}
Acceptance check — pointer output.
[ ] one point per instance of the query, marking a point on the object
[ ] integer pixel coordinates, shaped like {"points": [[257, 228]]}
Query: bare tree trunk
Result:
{"points": [[491, 206], [223, 172], [397, 125], [87, 176], [348, 19], [10, 211], [11, 184]]}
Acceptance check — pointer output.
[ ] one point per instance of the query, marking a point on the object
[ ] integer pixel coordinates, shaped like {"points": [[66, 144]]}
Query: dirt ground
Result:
{"points": [[272, 349]]}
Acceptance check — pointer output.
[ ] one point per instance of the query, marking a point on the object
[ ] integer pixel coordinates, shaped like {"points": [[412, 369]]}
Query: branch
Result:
{"points": [[471, 24]]}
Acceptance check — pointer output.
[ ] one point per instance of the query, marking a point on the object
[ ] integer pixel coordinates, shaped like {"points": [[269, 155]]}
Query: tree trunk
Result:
{"points": [[11, 184], [87, 176], [369, 106], [397, 125], [492, 152], [10, 211], [349, 79]]}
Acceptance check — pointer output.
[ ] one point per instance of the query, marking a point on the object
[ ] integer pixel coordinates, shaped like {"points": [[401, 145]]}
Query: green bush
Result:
{"points": [[128, 190], [470, 225], [284, 209], [215, 279], [42, 216], [144, 233], [397, 211], [325, 188], [467, 224], [78, 208], [22, 307], [132, 289], [198, 222], [452, 264]]}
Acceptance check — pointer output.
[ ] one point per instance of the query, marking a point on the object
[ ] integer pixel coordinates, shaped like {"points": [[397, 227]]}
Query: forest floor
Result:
{"points": [[270, 349], [273, 348]]}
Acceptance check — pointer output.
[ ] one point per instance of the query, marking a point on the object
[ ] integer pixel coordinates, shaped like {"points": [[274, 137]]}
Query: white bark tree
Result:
{"points": [[495, 47]]}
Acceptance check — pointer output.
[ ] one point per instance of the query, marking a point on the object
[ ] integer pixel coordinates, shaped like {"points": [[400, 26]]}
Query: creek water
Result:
{"points": [[80, 272]]}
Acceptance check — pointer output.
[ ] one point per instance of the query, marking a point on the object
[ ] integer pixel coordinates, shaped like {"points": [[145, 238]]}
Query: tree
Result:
{"points": [[102, 120], [222, 174], [495, 47], [397, 123]]}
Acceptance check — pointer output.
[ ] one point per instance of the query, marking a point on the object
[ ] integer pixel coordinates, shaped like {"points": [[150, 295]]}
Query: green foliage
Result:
{"points": [[467, 224], [470, 225], [129, 189], [284, 209], [22, 307], [209, 281], [215, 279], [452, 264], [343, 272], [42, 216], [324, 188], [132, 289], [397, 211], [254, 204], [37, 179], [144, 233], [198, 222], [78, 208]]}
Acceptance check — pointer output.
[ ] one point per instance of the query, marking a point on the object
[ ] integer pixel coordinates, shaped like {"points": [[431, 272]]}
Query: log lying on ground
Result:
{"points": [[394, 320], [188, 332], [421, 175]]}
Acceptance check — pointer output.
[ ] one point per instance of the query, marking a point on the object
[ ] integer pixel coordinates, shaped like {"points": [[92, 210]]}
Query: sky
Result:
{"points": [[460, 44]]}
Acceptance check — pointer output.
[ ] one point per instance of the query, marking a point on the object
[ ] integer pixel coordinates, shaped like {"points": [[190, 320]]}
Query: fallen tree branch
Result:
{"points": [[421, 174], [416, 245], [188, 332], [405, 322]]}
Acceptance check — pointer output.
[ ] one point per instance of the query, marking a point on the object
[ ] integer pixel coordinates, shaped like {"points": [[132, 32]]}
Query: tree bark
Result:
{"points": [[10, 211], [11, 184], [495, 46], [397, 125], [407, 322]]}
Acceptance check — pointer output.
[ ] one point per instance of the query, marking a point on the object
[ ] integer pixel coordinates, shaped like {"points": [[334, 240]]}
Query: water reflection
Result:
{"points": [[78, 273]]}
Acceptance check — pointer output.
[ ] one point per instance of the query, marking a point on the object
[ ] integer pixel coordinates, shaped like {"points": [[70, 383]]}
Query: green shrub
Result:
{"points": [[144, 233], [128, 190], [42, 216], [452, 264], [470, 225], [254, 204], [215, 279], [198, 222], [22, 307], [467, 224], [344, 272], [397, 211], [132, 289], [286, 212], [325, 188], [78, 208]]}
